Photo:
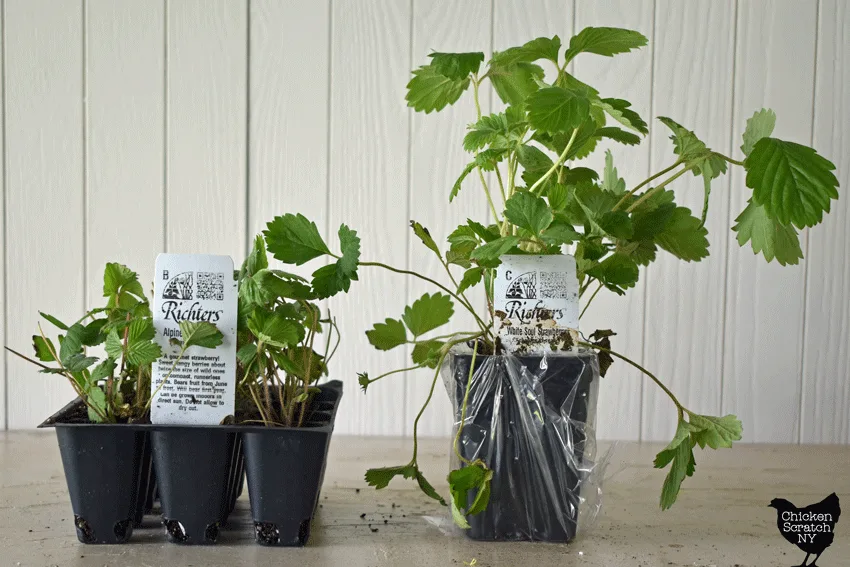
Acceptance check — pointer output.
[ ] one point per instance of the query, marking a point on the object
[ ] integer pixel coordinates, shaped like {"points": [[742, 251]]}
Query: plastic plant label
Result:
{"points": [[536, 303], [201, 388]]}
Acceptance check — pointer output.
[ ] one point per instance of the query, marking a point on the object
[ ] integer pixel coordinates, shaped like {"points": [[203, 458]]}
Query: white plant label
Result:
{"points": [[201, 389], [536, 303]]}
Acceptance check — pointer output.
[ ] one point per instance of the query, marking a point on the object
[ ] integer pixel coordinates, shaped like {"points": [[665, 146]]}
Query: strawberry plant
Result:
{"points": [[115, 388], [542, 202]]}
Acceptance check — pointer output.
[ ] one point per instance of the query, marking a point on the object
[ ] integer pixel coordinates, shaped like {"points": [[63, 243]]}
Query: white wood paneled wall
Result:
{"points": [[130, 128]]}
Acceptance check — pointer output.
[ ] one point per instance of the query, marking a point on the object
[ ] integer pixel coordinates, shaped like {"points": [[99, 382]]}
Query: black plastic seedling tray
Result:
{"points": [[114, 472]]}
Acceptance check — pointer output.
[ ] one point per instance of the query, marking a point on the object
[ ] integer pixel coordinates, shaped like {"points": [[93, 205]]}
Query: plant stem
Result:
{"points": [[679, 406], [464, 406], [589, 301], [446, 348], [397, 371], [655, 190], [489, 198], [730, 160], [501, 186], [555, 165], [649, 179], [434, 282]]}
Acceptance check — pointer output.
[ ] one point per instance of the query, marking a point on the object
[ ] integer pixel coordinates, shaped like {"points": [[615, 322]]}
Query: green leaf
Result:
{"points": [[56, 322], [768, 236], [617, 272], [141, 329], [699, 158], [558, 233], [555, 109], [118, 278], [611, 181], [363, 380], [604, 41], [387, 335], [201, 334], [429, 90], [44, 348], [380, 478], [486, 160], [618, 135], [78, 362], [278, 284], [456, 66], [684, 236], [616, 224], [103, 370], [759, 126], [293, 239], [427, 313], [471, 278], [427, 353], [489, 253], [529, 212], [557, 196], [534, 163], [142, 353], [97, 398], [620, 111], [425, 236], [257, 260], [114, 345], [334, 278], [683, 465], [486, 131], [426, 487], [539, 48], [513, 82], [716, 432], [472, 477], [71, 343], [275, 329], [487, 234], [792, 182]]}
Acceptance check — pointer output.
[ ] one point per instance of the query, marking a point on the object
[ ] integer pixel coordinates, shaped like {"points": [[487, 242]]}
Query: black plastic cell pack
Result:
{"points": [[526, 420], [115, 471]]}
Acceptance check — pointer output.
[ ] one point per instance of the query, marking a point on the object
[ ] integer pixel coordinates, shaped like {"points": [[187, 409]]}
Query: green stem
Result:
{"points": [[589, 301], [434, 282], [730, 160], [658, 382], [555, 165], [489, 197], [501, 186], [655, 190], [446, 348], [397, 371], [649, 179]]}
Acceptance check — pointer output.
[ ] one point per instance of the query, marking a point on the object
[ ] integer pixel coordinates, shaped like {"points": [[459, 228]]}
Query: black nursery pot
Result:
{"points": [[536, 486], [285, 468], [196, 469], [103, 468]]}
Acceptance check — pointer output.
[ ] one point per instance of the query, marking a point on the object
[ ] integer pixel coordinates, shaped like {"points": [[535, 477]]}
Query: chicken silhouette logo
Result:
{"points": [[810, 528]]}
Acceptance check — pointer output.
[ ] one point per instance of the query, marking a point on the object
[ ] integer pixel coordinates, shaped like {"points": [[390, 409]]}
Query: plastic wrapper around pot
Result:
{"points": [[530, 418]]}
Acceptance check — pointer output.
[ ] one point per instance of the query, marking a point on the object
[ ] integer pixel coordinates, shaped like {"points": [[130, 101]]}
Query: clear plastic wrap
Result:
{"points": [[531, 419]]}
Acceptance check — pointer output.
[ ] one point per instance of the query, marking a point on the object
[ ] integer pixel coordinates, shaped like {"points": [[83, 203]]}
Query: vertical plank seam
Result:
{"points": [[806, 271], [409, 179], [723, 315], [85, 156], [165, 125], [644, 326], [248, 225], [329, 108], [5, 219]]}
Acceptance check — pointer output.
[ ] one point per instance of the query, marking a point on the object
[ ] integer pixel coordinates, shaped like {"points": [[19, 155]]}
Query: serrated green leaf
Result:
{"points": [[792, 182], [715, 432], [381, 477], [473, 477], [293, 239], [488, 130], [534, 163], [611, 181], [114, 346], [513, 82], [141, 329], [486, 160], [617, 272], [56, 322], [456, 66], [555, 109], [425, 236], [471, 278], [620, 110], [387, 335], [682, 466], [616, 224], [96, 398], [427, 353], [277, 284], [558, 233], [337, 277], [760, 125], [767, 236], [487, 234], [427, 489], [78, 362], [257, 260], [618, 135], [118, 278], [684, 236], [275, 329], [427, 313], [557, 196], [488, 254], [604, 41], [201, 334], [71, 343], [141, 353], [539, 48], [44, 348], [430, 90], [529, 212]]}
